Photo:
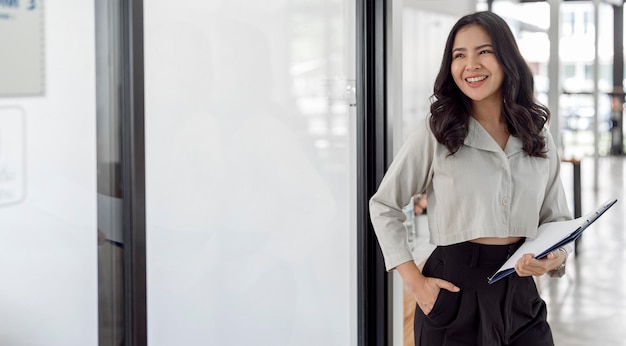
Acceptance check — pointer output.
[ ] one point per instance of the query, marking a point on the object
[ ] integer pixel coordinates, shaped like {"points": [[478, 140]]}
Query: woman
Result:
{"points": [[491, 172]]}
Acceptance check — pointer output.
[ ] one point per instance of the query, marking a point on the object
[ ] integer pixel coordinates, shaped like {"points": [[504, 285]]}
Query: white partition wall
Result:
{"points": [[48, 273], [250, 172]]}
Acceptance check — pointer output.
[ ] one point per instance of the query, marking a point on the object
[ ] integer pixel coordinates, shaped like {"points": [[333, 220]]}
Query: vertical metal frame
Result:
{"points": [[617, 118], [618, 45], [374, 283], [133, 172]]}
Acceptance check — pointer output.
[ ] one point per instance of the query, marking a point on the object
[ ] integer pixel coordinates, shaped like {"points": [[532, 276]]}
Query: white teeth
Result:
{"points": [[475, 79]]}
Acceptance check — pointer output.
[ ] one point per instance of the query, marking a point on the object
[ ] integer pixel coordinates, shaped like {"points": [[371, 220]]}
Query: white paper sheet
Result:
{"points": [[550, 237]]}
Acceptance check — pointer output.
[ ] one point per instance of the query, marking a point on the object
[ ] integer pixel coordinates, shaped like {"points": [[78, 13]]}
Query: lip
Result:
{"points": [[476, 84]]}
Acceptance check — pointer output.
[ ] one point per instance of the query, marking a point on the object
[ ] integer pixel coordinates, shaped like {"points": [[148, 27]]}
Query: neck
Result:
{"points": [[487, 112]]}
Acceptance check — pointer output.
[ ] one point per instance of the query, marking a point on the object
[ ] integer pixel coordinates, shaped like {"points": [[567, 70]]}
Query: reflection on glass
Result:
{"points": [[110, 255], [424, 35], [110, 236]]}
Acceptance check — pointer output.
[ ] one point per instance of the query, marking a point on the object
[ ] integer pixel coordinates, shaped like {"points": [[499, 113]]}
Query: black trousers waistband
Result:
{"points": [[476, 254]]}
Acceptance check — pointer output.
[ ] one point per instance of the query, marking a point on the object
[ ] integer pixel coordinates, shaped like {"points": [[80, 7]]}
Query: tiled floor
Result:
{"points": [[587, 307]]}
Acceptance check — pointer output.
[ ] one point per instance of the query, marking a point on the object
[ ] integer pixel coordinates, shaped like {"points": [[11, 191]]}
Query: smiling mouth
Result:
{"points": [[476, 79]]}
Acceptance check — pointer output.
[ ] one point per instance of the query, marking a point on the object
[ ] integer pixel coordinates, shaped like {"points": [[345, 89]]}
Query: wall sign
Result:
{"points": [[21, 46]]}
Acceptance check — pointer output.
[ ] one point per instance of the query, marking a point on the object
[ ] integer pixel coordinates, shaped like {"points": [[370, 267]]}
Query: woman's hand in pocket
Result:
{"points": [[427, 291], [424, 289]]}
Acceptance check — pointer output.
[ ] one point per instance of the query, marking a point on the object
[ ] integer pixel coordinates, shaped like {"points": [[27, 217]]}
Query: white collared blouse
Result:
{"points": [[480, 191]]}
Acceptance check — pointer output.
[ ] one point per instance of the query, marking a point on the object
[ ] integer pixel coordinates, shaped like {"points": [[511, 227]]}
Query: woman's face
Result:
{"points": [[475, 69]]}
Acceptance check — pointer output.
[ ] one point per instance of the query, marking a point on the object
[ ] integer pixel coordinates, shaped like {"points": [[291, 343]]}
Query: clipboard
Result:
{"points": [[551, 236]]}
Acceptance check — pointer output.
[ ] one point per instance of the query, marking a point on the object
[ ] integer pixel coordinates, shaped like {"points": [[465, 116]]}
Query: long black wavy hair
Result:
{"points": [[450, 108]]}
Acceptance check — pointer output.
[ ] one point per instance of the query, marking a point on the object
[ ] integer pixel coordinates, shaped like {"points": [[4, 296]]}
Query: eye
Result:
{"points": [[458, 55], [485, 51]]}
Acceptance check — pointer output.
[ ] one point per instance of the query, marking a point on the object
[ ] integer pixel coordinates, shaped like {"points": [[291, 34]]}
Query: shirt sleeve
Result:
{"points": [[554, 207], [409, 174]]}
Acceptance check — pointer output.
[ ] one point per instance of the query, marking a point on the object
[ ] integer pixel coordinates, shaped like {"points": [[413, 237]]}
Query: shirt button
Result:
{"points": [[506, 201]]}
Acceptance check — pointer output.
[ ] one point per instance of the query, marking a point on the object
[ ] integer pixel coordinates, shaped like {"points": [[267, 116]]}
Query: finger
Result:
{"points": [[534, 267], [519, 270], [447, 285], [525, 272], [526, 260], [524, 269]]}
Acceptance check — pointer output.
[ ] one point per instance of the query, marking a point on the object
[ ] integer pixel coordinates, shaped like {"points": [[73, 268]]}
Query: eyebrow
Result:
{"points": [[477, 48]]}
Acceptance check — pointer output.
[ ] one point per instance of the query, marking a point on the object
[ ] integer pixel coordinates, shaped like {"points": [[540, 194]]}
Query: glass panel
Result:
{"points": [[576, 105], [48, 178], [250, 172]]}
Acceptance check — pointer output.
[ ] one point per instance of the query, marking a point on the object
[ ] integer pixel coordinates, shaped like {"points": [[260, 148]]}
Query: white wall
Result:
{"points": [[250, 172], [48, 278]]}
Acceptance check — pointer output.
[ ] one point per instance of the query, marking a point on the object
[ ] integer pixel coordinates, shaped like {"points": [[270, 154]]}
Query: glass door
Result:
{"points": [[250, 172]]}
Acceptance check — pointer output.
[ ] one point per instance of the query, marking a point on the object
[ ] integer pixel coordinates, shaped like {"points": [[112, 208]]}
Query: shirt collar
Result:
{"points": [[477, 137]]}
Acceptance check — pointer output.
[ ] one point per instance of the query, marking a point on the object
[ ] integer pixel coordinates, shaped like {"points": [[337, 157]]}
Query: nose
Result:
{"points": [[472, 64]]}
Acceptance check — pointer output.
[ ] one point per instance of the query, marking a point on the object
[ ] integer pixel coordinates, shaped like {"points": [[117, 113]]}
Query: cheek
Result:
{"points": [[500, 79], [456, 74], [453, 69]]}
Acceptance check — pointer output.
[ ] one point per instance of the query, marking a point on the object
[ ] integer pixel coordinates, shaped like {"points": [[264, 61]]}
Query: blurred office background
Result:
{"points": [[189, 172]]}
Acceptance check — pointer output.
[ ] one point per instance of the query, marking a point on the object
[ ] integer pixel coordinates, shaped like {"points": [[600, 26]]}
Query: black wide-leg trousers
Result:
{"points": [[508, 312]]}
